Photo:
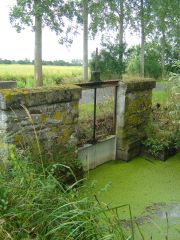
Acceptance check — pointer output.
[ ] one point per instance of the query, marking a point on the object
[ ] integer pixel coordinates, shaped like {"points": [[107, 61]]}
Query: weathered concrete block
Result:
{"points": [[133, 111], [44, 118], [7, 84], [92, 156]]}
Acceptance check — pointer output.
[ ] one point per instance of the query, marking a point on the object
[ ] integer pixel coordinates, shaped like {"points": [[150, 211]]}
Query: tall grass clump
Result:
{"points": [[34, 204]]}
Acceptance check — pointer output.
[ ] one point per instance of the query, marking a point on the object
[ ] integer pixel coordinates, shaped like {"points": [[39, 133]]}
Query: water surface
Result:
{"points": [[152, 188]]}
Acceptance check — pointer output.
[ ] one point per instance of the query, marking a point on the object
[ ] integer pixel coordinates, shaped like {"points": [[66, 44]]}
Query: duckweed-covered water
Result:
{"points": [[152, 188]]}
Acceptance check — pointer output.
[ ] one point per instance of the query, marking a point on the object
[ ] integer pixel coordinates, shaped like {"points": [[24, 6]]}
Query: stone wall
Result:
{"points": [[44, 116], [133, 111], [7, 84], [46, 119]]}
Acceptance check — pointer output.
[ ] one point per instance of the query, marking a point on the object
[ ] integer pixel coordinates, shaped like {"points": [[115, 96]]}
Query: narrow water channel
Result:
{"points": [[152, 188]]}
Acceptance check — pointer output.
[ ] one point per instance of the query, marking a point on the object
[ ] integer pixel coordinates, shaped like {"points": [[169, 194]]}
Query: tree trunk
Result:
{"points": [[163, 46], [85, 40], [38, 50], [121, 34], [142, 39], [121, 23]]}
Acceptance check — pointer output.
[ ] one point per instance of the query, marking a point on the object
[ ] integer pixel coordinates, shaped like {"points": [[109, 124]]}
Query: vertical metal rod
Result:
{"points": [[94, 120], [115, 109]]}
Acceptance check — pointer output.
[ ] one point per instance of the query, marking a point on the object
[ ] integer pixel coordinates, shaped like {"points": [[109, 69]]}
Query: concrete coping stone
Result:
{"points": [[15, 98], [7, 84], [108, 138], [140, 85]]}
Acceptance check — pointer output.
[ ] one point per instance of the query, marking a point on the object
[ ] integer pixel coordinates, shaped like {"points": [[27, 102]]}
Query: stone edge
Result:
{"points": [[140, 85], [7, 84], [15, 98]]}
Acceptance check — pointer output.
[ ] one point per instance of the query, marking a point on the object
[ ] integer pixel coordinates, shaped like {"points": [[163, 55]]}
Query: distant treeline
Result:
{"points": [[74, 62]]}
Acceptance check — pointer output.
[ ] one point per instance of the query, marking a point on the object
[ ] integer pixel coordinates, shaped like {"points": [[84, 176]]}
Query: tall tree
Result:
{"points": [[38, 46], [166, 15], [110, 15], [58, 15], [142, 26], [85, 40], [141, 21], [159, 21]]}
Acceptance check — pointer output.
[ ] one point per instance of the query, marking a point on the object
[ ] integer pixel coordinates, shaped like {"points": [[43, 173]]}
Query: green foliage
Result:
{"points": [[65, 167], [157, 144], [109, 60], [152, 66], [165, 20], [152, 60], [159, 96], [106, 15], [57, 15], [163, 132], [34, 206], [173, 91], [133, 60]]}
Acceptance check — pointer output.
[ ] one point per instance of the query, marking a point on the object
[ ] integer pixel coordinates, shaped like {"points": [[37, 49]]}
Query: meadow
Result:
{"points": [[52, 75], [24, 74]]}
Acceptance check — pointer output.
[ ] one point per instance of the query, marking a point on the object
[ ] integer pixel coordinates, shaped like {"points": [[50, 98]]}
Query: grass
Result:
{"points": [[86, 109], [38, 206], [24, 74], [159, 96], [104, 120], [150, 187]]}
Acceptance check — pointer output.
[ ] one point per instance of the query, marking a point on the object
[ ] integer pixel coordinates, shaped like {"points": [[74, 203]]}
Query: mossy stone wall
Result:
{"points": [[133, 111], [47, 118], [44, 116]]}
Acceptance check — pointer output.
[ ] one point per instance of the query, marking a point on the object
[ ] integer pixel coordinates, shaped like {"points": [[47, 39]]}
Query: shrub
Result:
{"points": [[152, 66], [163, 132], [156, 144], [108, 61]]}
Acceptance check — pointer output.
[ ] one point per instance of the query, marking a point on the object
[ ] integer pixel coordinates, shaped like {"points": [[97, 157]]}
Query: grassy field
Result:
{"points": [[24, 74]]}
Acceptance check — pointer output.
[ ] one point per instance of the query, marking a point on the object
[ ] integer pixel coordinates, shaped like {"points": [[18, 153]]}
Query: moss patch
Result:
{"points": [[57, 116]]}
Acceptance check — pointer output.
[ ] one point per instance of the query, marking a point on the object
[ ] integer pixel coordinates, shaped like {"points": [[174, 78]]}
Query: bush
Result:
{"points": [[163, 132], [173, 92], [157, 144], [152, 66], [108, 60]]}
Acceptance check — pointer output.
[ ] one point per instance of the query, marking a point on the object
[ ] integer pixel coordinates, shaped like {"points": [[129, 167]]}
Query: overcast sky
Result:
{"points": [[16, 46]]}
